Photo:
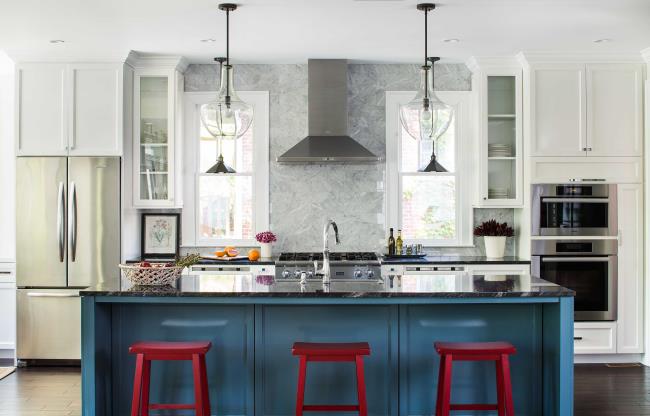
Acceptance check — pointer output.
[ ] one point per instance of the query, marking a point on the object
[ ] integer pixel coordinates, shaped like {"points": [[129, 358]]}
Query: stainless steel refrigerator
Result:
{"points": [[67, 238]]}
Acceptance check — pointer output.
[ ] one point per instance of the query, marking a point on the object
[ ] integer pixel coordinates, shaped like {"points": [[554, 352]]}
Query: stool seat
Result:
{"points": [[161, 347], [332, 348], [146, 352], [474, 348]]}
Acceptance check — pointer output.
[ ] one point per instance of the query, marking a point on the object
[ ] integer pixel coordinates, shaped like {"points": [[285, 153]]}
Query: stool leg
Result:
{"points": [[198, 394], [137, 385], [146, 382], [507, 385], [302, 375], [446, 386], [205, 389], [361, 387], [500, 394], [441, 378]]}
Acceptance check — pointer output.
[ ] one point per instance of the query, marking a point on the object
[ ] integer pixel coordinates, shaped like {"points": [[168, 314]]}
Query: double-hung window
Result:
{"points": [[226, 208], [431, 208]]}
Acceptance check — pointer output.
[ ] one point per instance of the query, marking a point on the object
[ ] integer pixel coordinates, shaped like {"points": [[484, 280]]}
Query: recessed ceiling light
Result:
{"points": [[208, 40], [451, 40], [603, 40], [57, 41]]}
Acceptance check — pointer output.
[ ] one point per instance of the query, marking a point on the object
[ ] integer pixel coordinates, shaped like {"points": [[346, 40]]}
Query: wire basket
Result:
{"points": [[151, 276]]}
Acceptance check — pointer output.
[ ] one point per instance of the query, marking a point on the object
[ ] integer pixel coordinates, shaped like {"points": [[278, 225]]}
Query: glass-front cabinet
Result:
{"points": [[500, 136], [156, 93]]}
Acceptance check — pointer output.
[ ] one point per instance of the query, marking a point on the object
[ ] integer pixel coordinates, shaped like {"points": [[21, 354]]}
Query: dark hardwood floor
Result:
{"points": [[599, 391]]}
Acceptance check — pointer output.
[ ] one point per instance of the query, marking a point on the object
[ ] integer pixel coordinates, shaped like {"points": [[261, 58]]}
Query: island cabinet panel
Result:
{"points": [[276, 369], [472, 382], [230, 361]]}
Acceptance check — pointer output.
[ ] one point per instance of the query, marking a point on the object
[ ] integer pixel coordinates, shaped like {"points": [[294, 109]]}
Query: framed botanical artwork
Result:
{"points": [[160, 235]]}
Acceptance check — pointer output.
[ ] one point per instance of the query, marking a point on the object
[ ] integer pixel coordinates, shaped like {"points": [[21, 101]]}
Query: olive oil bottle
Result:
{"points": [[391, 244], [399, 243]]}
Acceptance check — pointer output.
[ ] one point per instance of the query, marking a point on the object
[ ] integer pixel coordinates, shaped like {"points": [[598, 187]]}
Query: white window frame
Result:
{"points": [[190, 216], [462, 101]]}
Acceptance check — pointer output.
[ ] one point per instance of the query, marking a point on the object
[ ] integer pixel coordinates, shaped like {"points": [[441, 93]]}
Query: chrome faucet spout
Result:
{"points": [[326, 271]]}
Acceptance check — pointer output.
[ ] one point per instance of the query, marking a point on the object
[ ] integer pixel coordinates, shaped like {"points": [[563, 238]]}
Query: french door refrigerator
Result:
{"points": [[67, 238]]}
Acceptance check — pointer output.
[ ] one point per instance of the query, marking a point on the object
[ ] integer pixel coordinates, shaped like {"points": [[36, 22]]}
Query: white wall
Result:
{"points": [[7, 162]]}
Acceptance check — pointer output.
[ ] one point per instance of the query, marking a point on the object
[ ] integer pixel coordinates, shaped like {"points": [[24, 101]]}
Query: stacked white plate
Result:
{"points": [[499, 150], [498, 193]]}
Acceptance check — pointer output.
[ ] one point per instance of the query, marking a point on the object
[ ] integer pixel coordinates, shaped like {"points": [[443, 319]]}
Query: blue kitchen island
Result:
{"points": [[252, 326]]}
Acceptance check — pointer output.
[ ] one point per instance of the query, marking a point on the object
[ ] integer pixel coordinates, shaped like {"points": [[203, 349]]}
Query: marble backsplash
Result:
{"points": [[303, 197]]}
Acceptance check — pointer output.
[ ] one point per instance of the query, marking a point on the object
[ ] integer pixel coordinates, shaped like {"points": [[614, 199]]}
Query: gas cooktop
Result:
{"points": [[343, 257]]}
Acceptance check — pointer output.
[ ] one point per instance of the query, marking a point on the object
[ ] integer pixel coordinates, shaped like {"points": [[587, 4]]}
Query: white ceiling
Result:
{"points": [[290, 31]]}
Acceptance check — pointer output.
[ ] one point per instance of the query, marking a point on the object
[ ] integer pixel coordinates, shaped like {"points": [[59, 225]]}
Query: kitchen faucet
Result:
{"points": [[326, 271]]}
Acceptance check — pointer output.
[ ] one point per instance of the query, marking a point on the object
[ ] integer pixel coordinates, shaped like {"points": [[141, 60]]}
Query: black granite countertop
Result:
{"points": [[455, 260], [437, 286]]}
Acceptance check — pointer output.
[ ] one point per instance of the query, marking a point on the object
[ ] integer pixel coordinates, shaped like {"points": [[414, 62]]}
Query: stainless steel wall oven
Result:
{"points": [[589, 267]]}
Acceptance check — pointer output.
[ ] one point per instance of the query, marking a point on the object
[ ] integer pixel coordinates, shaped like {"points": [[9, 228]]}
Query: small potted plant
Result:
{"points": [[494, 235], [265, 239]]}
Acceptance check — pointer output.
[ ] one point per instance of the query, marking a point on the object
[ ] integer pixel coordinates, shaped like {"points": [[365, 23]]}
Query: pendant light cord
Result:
{"points": [[227, 37], [426, 31]]}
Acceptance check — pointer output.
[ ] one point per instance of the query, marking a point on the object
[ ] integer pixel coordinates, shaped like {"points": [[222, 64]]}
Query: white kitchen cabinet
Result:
{"points": [[586, 169], [69, 109], [614, 110], [96, 109], [157, 173], [500, 163], [41, 110], [557, 110], [629, 331], [594, 338], [592, 110], [7, 309]]}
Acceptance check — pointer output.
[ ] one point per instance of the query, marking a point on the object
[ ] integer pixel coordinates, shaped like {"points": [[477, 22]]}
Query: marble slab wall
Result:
{"points": [[304, 196]]}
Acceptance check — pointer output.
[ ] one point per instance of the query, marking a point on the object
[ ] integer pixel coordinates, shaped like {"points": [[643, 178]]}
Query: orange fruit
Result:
{"points": [[220, 253], [232, 252], [253, 255], [226, 248]]}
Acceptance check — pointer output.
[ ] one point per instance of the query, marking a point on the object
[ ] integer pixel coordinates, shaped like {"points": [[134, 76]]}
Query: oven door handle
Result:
{"points": [[583, 200], [574, 259]]}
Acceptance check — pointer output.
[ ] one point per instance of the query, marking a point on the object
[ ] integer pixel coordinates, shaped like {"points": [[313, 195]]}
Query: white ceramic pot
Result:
{"points": [[265, 250], [495, 247]]}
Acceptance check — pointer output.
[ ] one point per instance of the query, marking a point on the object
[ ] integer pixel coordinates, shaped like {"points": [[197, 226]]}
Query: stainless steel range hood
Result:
{"points": [[328, 139]]}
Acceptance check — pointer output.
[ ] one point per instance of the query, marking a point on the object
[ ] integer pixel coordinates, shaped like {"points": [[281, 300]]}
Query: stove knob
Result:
{"points": [[310, 274], [285, 274], [357, 274], [296, 274], [370, 274]]}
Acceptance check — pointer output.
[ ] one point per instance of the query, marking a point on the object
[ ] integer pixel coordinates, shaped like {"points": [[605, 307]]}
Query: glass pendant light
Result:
{"points": [[227, 116], [427, 117]]}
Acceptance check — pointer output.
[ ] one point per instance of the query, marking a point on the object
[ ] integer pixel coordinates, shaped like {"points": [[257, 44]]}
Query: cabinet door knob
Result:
{"points": [[589, 149]]}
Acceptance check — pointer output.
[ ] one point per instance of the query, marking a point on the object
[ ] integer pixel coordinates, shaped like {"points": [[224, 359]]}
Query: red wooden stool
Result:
{"points": [[331, 352], [475, 351], [169, 351]]}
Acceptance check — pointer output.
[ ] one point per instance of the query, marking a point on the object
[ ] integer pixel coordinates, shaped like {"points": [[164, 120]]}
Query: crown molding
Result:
{"points": [[532, 57], [26, 57], [477, 63], [646, 55], [143, 60]]}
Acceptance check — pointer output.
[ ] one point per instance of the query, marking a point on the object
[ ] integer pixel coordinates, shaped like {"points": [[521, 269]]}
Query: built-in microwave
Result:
{"points": [[589, 267], [574, 210]]}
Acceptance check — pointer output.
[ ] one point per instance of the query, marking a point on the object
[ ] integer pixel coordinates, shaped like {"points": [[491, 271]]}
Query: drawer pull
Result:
{"points": [[577, 338]]}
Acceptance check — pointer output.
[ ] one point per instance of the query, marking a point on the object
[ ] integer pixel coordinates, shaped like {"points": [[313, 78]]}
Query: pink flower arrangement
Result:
{"points": [[266, 237]]}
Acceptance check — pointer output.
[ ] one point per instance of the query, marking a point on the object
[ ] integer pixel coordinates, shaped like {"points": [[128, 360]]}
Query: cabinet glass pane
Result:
{"points": [[154, 149], [153, 186], [502, 137]]}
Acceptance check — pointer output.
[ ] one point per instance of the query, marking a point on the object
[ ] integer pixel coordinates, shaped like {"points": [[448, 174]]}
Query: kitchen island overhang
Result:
{"points": [[251, 370]]}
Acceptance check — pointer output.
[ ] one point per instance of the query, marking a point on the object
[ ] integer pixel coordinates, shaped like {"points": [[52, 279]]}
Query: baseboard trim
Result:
{"points": [[607, 358]]}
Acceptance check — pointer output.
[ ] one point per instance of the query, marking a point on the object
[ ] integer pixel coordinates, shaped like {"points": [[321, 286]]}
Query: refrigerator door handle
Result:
{"points": [[52, 295], [60, 222], [72, 223]]}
